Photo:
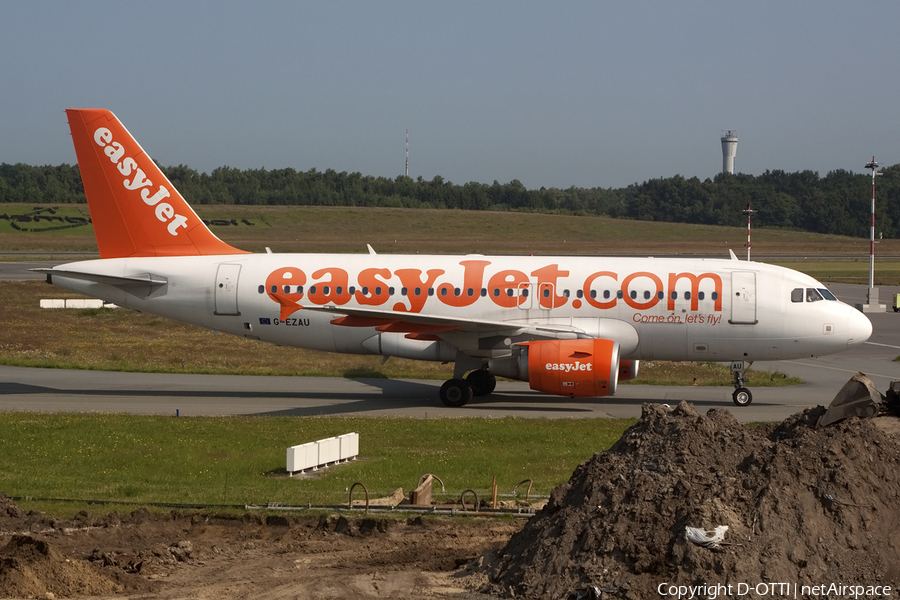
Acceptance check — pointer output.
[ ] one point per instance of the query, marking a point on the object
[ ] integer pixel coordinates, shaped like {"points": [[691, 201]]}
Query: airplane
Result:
{"points": [[569, 325]]}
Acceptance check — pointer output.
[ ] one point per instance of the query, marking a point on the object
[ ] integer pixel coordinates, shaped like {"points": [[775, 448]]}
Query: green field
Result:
{"points": [[241, 460], [389, 230]]}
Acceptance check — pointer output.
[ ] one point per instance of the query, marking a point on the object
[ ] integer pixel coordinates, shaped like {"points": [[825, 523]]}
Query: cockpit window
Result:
{"points": [[812, 294], [828, 295]]}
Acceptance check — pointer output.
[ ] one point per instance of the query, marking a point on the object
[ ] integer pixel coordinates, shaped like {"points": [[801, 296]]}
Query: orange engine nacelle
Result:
{"points": [[584, 368]]}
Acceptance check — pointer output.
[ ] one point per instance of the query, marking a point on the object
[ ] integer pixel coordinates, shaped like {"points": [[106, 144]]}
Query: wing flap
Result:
{"points": [[415, 323]]}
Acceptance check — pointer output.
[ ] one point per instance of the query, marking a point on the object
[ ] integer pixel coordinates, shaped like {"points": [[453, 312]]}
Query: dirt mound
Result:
{"points": [[31, 568], [802, 506], [9, 509]]}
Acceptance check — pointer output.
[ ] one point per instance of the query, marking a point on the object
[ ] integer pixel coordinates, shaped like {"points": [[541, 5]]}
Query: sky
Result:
{"points": [[553, 94]]}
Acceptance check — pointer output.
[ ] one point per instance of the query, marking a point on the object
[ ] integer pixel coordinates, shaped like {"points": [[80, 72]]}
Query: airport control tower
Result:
{"points": [[729, 149]]}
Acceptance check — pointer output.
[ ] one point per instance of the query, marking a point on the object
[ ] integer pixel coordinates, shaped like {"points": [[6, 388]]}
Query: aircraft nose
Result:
{"points": [[859, 328]]}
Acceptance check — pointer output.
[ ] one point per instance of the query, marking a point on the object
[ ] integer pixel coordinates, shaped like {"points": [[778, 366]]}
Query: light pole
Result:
{"points": [[872, 304], [749, 214]]}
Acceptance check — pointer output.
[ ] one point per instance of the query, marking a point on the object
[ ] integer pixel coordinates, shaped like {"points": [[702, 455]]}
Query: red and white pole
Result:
{"points": [[748, 232], [749, 214], [874, 167]]}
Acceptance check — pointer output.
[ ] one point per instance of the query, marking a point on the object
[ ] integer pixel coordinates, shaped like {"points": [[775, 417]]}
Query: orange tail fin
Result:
{"points": [[135, 209]]}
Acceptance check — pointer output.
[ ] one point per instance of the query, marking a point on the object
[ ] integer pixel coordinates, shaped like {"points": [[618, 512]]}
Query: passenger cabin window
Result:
{"points": [[797, 295]]}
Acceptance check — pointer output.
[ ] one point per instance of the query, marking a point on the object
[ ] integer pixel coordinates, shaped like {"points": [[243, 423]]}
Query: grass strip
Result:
{"points": [[397, 230], [241, 460]]}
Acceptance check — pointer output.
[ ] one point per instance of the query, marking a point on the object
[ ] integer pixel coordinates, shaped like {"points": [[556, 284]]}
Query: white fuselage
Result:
{"points": [[656, 308]]}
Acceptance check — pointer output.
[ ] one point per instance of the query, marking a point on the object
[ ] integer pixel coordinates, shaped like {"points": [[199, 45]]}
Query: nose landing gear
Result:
{"points": [[741, 395]]}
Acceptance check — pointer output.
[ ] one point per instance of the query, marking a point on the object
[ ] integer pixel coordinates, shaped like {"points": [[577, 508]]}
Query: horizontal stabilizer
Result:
{"points": [[142, 285]]}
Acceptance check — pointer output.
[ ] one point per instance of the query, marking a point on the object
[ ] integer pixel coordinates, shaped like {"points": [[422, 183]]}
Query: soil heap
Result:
{"points": [[802, 505], [32, 568]]}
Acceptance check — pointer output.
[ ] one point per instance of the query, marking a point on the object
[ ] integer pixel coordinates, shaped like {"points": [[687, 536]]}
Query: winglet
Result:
{"points": [[135, 209]]}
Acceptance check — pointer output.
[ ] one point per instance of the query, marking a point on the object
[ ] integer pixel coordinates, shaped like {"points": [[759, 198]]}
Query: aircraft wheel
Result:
{"points": [[481, 382], [456, 392], [742, 397]]}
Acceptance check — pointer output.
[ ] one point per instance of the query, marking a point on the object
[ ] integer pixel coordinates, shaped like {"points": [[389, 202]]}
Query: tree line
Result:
{"points": [[838, 203]]}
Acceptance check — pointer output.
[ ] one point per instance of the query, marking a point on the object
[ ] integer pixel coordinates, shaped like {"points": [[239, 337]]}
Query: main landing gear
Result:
{"points": [[458, 392], [482, 382], [741, 395]]}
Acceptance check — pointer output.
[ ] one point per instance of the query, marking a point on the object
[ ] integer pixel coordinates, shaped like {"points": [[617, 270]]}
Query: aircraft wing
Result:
{"points": [[415, 323]]}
